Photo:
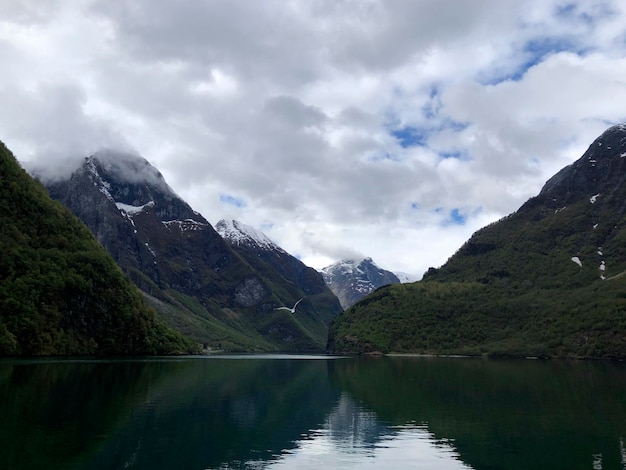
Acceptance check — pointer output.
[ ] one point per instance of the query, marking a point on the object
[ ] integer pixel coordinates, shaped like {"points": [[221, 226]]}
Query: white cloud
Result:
{"points": [[289, 107]]}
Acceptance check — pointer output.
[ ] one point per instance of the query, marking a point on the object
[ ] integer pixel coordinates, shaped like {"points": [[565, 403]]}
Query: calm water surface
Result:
{"points": [[286, 412]]}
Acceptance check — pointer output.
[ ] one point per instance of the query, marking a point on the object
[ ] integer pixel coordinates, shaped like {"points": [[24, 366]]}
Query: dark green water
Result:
{"points": [[296, 413]]}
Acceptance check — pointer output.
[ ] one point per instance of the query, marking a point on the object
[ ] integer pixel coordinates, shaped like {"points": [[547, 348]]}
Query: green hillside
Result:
{"points": [[60, 292], [544, 281]]}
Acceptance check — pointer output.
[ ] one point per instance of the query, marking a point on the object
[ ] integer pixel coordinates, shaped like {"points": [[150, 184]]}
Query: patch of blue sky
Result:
{"points": [[232, 200], [539, 48], [533, 52], [412, 136], [458, 154], [456, 217], [584, 12]]}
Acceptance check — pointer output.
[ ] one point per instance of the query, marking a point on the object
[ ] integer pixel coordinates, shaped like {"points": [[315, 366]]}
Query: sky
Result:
{"points": [[390, 129]]}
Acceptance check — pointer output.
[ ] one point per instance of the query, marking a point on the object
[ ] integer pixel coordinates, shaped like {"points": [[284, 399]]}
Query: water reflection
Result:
{"points": [[503, 414], [353, 438], [292, 413]]}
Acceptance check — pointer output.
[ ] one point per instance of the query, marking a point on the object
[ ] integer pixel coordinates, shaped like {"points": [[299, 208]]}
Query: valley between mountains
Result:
{"points": [[545, 281]]}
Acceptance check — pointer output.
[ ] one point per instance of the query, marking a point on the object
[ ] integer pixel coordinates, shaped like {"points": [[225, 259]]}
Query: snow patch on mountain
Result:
{"points": [[351, 280], [102, 185], [187, 225], [344, 267], [132, 210], [237, 233], [150, 250]]}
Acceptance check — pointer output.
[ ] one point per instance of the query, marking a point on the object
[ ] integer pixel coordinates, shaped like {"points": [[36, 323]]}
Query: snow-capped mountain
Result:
{"points": [[266, 256], [238, 234], [138, 218], [351, 280], [190, 273]]}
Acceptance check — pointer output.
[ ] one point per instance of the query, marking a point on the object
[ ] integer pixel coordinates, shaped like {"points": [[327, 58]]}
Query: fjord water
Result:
{"points": [[297, 412]]}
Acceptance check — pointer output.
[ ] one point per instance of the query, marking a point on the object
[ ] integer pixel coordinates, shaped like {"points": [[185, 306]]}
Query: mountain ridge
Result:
{"points": [[351, 280], [199, 283], [260, 251], [542, 281]]}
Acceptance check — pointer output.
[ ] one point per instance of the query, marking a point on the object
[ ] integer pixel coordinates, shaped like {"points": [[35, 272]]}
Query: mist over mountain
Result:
{"points": [[547, 280], [193, 277]]}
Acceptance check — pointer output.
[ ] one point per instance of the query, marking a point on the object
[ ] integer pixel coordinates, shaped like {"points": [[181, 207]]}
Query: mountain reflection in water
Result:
{"points": [[284, 412], [353, 438]]}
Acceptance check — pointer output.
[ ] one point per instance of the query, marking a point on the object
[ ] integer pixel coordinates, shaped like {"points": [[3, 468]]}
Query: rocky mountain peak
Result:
{"points": [[124, 167], [135, 186], [239, 234], [600, 170], [351, 280]]}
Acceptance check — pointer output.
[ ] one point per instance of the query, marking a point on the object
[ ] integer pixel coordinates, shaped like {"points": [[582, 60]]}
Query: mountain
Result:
{"points": [[60, 292], [547, 280], [194, 279], [283, 269], [350, 280]]}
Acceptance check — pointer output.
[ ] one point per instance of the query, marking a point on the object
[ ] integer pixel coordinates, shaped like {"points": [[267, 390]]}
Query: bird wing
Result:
{"points": [[283, 308], [294, 307]]}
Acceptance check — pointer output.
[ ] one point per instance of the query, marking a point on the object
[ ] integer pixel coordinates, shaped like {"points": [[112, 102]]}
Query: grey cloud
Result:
{"points": [[131, 167], [52, 120], [293, 112], [332, 248], [28, 12], [253, 39], [289, 105]]}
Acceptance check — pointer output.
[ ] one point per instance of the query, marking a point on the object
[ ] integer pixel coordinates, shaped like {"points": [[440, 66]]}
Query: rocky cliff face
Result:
{"points": [[175, 256], [299, 280], [153, 234], [352, 280]]}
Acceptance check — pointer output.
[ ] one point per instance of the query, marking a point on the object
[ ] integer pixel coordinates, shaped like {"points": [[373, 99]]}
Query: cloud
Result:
{"points": [[390, 129], [232, 200], [64, 133]]}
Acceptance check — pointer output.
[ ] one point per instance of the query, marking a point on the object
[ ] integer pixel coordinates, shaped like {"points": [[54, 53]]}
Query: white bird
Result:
{"points": [[292, 310]]}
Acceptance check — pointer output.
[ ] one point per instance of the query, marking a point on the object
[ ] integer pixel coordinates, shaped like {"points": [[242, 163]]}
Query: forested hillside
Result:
{"points": [[548, 280], [60, 292]]}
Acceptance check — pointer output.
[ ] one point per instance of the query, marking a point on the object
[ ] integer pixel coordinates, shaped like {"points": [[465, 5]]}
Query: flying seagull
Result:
{"points": [[292, 310]]}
